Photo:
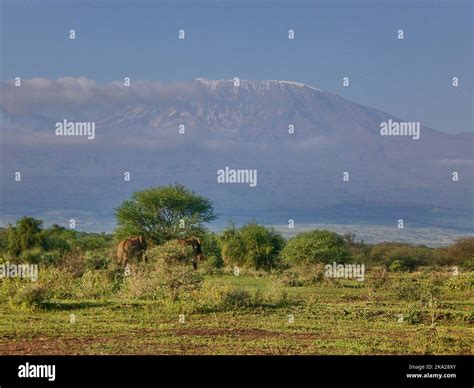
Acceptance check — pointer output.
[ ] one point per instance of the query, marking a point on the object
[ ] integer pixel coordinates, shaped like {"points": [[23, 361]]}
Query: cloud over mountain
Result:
{"points": [[299, 138]]}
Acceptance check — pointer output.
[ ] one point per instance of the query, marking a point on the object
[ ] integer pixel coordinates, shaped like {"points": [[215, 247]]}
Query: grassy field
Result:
{"points": [[252, 314]]}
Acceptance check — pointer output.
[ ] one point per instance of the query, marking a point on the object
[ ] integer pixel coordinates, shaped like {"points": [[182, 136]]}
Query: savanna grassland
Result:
{"points": [[255, 313], [253, 292]]}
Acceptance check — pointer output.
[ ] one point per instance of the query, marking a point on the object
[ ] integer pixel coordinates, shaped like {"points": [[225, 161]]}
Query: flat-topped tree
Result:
{"points": [[164, 213]]}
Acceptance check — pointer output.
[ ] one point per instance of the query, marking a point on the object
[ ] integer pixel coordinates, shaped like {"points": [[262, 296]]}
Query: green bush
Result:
{"points": [[93, 241], [94, 284], [292, 278], [303, 275], [51, 258], [38, 256], [31, 296], [25, 235], [405, 256], [9, 287], [414, 314], [96, 260], [212, 251], [413, 289], [178, 280], [379, 252], [461, 282], [63, 284], [460, 253], [32, 256], [3, 239], [411, 257], [57, 238], [169, 274], [396, 266], [171, 253], [378, 277], [236, 298], [317, 246], [142, 283], [252, 245]]}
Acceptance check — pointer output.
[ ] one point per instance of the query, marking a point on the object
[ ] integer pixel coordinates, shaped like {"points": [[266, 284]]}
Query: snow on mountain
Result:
{"points": [[300, 173]]}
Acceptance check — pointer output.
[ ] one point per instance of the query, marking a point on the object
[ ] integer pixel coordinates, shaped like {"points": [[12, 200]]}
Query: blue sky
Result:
{"points": [[409, 78]]}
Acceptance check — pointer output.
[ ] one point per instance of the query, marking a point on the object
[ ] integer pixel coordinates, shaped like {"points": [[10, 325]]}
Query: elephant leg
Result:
{"points": [[195, 264]]}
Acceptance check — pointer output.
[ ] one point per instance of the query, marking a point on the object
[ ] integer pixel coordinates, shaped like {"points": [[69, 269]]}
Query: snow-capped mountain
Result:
{"points": [[318, 155]]}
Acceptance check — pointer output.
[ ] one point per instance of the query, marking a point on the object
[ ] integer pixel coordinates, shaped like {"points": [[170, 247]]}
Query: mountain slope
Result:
{"points": [[244, 127]]}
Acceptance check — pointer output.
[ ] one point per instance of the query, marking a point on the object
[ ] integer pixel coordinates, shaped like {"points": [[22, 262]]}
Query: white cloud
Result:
{"points": [[80, 95]]}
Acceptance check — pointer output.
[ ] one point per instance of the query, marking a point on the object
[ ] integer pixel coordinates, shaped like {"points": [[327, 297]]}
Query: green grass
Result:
{"points": [[346, 318]]}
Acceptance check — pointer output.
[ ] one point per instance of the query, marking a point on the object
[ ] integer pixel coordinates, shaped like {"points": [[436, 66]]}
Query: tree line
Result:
{"points": [[162, 214]]}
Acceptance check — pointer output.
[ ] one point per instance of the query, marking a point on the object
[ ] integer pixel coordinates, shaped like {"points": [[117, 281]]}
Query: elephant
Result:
{"points": [[195, 243], [132, 247]]}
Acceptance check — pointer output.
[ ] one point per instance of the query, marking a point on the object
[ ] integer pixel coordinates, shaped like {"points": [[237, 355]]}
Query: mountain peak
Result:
{"points": [[213, 84]]}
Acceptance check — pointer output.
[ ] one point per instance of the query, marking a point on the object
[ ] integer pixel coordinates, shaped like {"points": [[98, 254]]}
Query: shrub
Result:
{"points": [[143, 283], [303, 275], [92, 241], [236, 298], [32, 256], [31, 296], [407, 257], [26, 234], [231, 298], [177, 280], [214, 297], [460, 253], [57, 238], [94, 284], [96, 260], [461, 282], [51, 258], [379, 252], [3, 239], [73, 262], [9, 287], [252, 245], [315, 247], [413, 289], [410, 257], [63, 284], [171, 253], [212, 251], [168, 275], [414, 314], [378, 277], [396, 266], [292, 278]]}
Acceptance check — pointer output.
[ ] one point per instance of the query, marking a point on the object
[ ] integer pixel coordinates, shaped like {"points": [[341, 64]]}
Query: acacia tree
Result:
{"points": [[26, 234], [164, 213]]}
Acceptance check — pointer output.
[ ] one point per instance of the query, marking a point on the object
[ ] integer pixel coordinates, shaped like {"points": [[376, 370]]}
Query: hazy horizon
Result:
{"points": [[343, 113]]}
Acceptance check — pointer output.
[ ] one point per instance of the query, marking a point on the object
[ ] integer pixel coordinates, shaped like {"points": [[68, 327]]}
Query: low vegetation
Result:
{"points": [[254, 294]]}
